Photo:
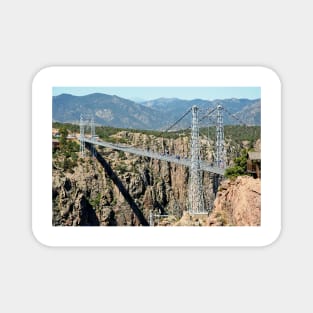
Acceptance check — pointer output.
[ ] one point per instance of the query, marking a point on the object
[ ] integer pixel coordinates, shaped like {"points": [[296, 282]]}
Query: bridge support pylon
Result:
{"points": [[220, 147], [195, 193], [220, 151]]}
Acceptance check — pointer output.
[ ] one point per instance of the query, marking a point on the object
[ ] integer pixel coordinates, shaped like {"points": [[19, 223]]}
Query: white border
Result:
{"points": [[179, 76]]}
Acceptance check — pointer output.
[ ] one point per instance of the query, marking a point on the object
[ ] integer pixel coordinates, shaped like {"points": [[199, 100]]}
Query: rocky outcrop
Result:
{"points": [[238, 203], [193, 220]]}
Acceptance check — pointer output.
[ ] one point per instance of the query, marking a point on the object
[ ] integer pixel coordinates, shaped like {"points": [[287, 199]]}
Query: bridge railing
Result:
{"points": [[204, 165]]}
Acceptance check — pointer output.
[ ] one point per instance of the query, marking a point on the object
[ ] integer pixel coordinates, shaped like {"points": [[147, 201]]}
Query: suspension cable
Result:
{"points": [[207, 115], [211, 111], [235, 117], [170, 127]]}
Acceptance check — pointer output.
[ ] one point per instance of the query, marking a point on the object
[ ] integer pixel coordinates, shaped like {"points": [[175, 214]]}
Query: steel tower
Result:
{"points": [[195, 195], [220, 152]]}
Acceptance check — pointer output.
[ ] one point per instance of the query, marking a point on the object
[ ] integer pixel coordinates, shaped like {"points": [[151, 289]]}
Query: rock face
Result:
{"points": [[238, 203], [143, 183]]}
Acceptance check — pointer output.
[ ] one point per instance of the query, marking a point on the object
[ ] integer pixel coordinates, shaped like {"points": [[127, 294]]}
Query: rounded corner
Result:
{"points": [[41, 73], [272, 73], [274, 239], [38, 239]]}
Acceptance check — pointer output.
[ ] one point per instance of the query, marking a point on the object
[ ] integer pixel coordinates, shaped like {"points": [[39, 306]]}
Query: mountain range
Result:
{"points": [[111, 110]]}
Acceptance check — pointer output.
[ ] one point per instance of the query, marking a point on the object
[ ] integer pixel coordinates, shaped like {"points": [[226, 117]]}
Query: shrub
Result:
{"points": [[121, 168], [239, 168]]}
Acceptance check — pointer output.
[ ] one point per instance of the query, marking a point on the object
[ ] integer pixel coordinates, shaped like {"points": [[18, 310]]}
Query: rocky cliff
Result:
{"points": [[89, 195], [122, 189], [238, 203]]}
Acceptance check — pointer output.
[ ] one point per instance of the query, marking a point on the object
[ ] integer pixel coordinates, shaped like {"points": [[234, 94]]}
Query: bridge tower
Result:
{"points": [[220, 152], [82, 136], [195, 195]]}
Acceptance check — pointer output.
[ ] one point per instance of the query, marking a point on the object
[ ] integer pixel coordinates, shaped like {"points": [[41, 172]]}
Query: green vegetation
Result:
{"points": [[66, 156], [121, 155], [241, 133], [121, 168], [96, 201], [68, 126], [236, 133], [240, 166], [105, 133]]}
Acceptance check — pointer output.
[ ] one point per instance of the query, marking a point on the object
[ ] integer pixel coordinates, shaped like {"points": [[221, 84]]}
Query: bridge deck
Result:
{"points": [[204, 166]]}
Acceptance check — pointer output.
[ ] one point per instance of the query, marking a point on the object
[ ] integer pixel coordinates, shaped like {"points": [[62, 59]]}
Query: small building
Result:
{"points": [[55, 144], [254, 163]]}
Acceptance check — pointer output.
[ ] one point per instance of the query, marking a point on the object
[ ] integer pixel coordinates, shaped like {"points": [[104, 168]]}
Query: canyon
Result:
{"points": [[120, 189]]}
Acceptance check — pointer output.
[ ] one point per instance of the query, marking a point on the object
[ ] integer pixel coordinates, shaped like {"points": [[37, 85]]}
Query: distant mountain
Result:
{"points": [[137, 99], [154, 114], [249, 111], [106, 109], [167, 104]]}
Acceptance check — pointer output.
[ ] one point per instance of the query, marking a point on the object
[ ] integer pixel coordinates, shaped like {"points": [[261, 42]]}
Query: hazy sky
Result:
{"points": [[149, 93]]}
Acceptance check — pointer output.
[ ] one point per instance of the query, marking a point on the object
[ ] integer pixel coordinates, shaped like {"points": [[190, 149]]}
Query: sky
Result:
{"points": [[149, 93]]}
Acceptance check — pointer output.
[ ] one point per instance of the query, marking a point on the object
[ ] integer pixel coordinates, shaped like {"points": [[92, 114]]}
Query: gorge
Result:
{"points": [[121, 189]]}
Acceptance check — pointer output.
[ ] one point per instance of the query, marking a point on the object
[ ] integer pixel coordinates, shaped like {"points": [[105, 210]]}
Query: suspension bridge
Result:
{"points": [[196, 203]]}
